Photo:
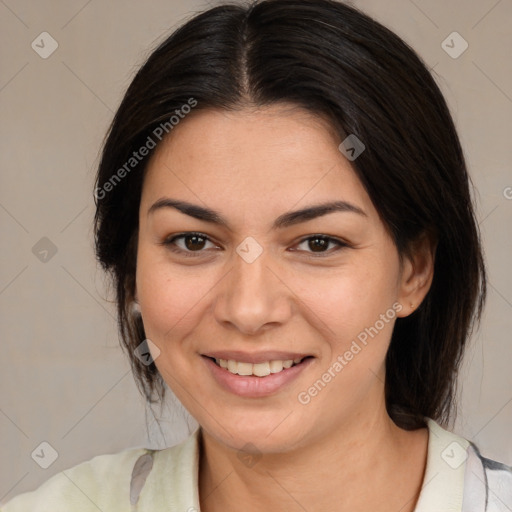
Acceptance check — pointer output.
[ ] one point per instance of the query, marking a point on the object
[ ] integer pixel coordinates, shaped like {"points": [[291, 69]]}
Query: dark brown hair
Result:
{"points": [[335, 62]]}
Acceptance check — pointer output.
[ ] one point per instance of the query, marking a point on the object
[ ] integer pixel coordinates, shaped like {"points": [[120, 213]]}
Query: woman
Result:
{"points": [[285, 211]]}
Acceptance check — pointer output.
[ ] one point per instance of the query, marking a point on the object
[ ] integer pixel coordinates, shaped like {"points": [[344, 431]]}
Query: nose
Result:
{"points": [[252, 297]]}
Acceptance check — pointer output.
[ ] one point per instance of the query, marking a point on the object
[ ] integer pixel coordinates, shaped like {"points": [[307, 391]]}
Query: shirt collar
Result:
{"points": [[173, 481], [443, 483]]}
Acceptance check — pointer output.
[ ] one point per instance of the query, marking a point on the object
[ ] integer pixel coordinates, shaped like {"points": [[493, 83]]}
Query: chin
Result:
{"points": [[269, 433]]}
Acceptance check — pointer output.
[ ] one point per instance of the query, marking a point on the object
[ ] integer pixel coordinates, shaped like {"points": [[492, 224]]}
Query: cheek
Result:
{"points": [[353, 309], [171, 297], [349, 298]]}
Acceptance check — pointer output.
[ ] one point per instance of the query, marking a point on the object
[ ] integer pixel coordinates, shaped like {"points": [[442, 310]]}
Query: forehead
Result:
{"points": [[254, 158]]}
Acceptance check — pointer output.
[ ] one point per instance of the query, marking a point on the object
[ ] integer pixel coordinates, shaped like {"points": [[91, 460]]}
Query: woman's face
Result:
{"points": [[262, 285]]}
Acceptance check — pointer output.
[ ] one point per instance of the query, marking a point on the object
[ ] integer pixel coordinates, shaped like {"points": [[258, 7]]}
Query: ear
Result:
{"points": [[135, 303], [417, 273]]}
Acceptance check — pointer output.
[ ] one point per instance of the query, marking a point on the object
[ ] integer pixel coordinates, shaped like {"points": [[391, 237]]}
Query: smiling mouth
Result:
{"points": [[257, 369]]}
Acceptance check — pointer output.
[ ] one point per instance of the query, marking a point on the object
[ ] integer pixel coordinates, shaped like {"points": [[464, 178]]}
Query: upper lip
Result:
{"points": [[255, 357]]}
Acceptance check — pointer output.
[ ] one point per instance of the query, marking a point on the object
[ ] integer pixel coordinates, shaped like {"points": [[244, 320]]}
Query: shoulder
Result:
{"points": [[148, 479], [488, 482], [458, 476], [102, 482]]}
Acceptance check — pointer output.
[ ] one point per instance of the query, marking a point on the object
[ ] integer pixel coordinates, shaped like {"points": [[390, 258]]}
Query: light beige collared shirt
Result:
{"points": [[457, 479]]}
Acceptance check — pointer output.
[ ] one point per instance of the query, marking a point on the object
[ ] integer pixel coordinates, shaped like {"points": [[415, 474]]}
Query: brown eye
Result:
{"points": [[194, 242], [190, 244], [320, 243]]}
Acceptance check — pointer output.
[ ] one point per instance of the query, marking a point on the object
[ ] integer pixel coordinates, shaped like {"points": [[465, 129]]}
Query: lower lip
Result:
{"points": [[250, 386]]}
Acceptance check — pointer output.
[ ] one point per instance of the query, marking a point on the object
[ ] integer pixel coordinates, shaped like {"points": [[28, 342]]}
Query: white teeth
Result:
{"points": [[258, 369], [244, 368], [276, 366]]}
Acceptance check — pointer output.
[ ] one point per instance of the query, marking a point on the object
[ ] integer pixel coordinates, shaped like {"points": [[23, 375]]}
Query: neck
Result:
{"points": [[367, 463]]}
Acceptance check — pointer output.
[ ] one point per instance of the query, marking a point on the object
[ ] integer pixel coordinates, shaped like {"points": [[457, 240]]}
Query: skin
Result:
{"points": [[252, 166]]}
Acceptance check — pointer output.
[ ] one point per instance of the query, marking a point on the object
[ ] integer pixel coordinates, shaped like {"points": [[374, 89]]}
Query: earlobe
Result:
{"points": [[417, 273], [135, 303]]}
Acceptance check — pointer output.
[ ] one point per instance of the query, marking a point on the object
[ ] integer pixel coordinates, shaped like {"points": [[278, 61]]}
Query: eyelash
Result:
{"points": [[169, 243]]}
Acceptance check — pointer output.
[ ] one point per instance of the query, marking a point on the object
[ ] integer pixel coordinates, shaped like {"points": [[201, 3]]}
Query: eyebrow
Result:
{"points": [[283, 221]]}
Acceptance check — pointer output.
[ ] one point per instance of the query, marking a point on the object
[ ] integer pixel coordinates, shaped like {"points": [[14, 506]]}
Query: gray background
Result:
{"points": [[63, 378]]}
